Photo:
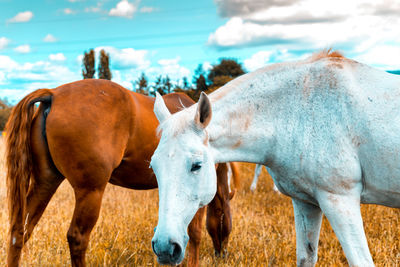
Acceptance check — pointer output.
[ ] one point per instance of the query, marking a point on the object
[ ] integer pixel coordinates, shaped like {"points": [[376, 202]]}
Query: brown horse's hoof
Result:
{"points": [[219, 254]]}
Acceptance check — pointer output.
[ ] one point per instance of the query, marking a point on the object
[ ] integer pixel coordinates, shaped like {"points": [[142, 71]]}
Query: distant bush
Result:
{"points": [[5, 110]]}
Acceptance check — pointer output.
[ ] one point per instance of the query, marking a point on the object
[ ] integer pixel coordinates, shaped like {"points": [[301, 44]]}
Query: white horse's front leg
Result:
{"points": [[343, 213], [257, 172], [308, 224]]}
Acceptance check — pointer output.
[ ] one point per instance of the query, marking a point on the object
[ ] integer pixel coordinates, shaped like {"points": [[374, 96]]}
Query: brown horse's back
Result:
{"points": [[107, 129]]}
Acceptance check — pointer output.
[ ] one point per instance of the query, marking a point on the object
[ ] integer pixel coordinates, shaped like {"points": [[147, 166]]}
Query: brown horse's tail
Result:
{"points": [[19, 154], [235, 182]]}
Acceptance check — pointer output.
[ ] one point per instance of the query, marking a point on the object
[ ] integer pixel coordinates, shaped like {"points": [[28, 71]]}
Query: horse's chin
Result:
{"points": [[168, 261]]}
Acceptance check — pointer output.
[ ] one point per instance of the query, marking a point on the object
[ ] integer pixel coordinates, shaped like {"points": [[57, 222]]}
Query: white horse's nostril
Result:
{"points": [[153, 247], [176, 251]]}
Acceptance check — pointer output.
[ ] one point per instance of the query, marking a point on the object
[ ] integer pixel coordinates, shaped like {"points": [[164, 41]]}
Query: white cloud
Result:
{"points": [[49, 38], [257, 60], [79, 59], [4, 42], [169, 62], [7, 64], [26, 77], [354, 27], [344, 34], [14, 95], [69, 11], [265, 57], [122, 80], [232, 8], [22, 17], [126, 58], [170, 67], [57, 57], [2, 77], [92, 9], [18, 79], [39, 72], [386, 57], [207, 66], [23, 49], [123, 9], [147, 9], [289, 10]]}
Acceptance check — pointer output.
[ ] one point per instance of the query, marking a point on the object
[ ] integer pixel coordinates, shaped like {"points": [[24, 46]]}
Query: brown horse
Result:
{"points": [[90, 132], [219, 219]]}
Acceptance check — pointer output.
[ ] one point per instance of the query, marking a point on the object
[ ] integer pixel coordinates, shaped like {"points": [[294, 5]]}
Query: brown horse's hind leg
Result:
{"points": [[44, 183], [39, 195], [194, 231], [86, 213]]}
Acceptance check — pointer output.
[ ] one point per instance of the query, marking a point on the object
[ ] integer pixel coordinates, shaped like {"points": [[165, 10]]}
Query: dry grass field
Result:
{"points": [[263, 231]]}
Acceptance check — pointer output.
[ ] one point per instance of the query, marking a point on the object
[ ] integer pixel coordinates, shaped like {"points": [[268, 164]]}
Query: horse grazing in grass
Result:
{"points": [[327, 127], [92, 132]]}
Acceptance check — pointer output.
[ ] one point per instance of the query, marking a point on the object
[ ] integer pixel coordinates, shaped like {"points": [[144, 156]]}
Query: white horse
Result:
{"points": [[327, 127], [257, 172]]}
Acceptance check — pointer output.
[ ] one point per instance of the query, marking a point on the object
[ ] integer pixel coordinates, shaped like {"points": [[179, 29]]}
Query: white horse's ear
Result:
{"points": [[203, 112], [160, 109]]}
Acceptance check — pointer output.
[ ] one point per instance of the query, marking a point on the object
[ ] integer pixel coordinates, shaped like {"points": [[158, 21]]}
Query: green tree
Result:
{"points": [[162, 85], [5, 110], [199, 79], [141, 85], [167, 85], [182, 86], [158, 86], [88, 65], [226, 70], [104, 66], [185, 83], [201, 84]]}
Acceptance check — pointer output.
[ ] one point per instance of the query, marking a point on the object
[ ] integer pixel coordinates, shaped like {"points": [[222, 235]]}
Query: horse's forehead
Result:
{"points": [[174, 127], [182, 146], [181, 133]]}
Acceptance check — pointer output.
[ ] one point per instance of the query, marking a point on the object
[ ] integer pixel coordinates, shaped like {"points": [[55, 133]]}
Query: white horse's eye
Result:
{"points": [[195, 166]]}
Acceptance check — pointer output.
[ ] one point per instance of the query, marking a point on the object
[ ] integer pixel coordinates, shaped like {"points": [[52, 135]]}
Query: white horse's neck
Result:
{"points": [[240, 126]]}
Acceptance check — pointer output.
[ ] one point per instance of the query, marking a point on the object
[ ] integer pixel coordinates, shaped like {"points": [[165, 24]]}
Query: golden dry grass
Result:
{"points": [[263, 232]]}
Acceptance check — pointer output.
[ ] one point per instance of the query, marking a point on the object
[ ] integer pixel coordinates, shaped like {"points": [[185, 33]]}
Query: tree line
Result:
{"points": [[202, 81]]}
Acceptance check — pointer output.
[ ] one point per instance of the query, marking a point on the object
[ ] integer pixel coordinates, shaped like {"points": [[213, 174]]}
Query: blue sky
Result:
{"points": [[42, 41]]}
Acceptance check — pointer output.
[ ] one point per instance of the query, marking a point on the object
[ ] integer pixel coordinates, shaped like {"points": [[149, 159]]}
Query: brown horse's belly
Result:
{"points": [[133, 176]]}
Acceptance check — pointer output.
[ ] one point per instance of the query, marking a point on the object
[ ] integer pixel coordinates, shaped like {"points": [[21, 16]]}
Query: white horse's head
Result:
{"points": [[184, 167]]}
